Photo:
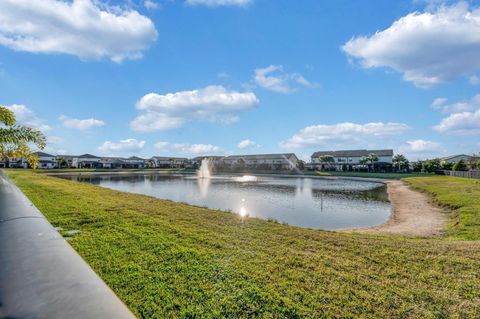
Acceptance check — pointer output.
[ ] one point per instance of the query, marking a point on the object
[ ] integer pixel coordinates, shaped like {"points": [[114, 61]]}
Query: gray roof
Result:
{"points": [[88, 156], [169, 158], [261, 156], [353, 153], [136, 158], [44, 154], [453, 156]]}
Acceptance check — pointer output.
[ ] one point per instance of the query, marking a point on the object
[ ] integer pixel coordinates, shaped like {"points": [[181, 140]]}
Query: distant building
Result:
{"points": [[284, 161], [112, 162], [455, 158], [168, 162], [350, 158], [13, 162], [86, 161], [46, 160], [135, 162]]}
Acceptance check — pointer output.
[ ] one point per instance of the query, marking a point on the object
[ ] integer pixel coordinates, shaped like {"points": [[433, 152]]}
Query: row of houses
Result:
{"points": [[284, 161]]}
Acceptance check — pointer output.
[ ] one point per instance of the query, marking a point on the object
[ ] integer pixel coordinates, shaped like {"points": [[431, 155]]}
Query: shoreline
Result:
{"points": [[412, 214]]}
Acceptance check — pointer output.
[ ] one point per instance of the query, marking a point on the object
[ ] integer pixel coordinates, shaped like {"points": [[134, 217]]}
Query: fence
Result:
{"points": [[467, 174]]}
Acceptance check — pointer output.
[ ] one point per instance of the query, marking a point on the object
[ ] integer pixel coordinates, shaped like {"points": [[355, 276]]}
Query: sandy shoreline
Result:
{"points": [[413, 214]]}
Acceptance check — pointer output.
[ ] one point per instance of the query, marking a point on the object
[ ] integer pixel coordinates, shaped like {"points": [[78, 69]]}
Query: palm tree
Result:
{"points": [[370, 158], [326, 159], [15, 139], [400, 161]]}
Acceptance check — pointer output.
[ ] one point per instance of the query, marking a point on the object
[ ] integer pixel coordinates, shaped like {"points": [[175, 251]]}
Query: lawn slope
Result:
{"points": [[462, 195], [170, 260]]}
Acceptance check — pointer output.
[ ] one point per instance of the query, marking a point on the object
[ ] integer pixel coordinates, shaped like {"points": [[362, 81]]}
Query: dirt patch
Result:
{"points": [[413, 214]]}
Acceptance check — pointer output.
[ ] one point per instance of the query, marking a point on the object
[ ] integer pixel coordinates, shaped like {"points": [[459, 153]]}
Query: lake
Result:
{"points": [[324, 203]]}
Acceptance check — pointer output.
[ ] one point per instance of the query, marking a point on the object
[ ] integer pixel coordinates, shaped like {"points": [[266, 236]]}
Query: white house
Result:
{"points": [[86, 161], [168, 162], [46, 160], [349, 157], [284, 161], [135, 162], [13, 162], [455, 158]]}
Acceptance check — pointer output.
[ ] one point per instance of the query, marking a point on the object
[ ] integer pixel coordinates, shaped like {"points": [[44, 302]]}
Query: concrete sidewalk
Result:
{"points": [[41, 276]]}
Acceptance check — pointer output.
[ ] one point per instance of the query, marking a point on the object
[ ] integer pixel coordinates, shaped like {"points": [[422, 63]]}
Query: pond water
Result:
{"points": [[306, 202]]}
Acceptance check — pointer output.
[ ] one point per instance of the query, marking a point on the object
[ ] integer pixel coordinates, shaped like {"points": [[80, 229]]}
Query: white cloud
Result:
{"points": [[474, 80], [151, 4], [427, 48], [470, 105], [247, 144], [420, 146], [463, 118], [189, 149], [341, 134], [463, 123], [84, 28], [27, 117], [273, 78], [219, 3], [82, 125], [131, 145], [172, 110]]}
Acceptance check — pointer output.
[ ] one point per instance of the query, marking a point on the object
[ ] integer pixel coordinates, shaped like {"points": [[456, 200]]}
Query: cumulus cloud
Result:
{"points": [[27, 117], [428, 48], [463, 123], [341, 133], [130, 145], [274, 78], [420, 146], [219, 3], [469, 105], [84, 28], [151, 4], [474, 80], [189, 149], [463, 118], [82, 125], [247, 144], [172, 110]]}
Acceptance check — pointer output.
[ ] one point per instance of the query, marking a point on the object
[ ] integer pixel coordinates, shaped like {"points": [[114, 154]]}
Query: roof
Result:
{"points": [[453, 156], [353, 153], [169, 158], [135, 158], [44, 154], [88, 156], [199, 158], [262, 156]]}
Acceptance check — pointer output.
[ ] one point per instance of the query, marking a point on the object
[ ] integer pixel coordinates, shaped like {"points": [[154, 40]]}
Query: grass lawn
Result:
{"points": [[170, 260], [375, 175], [460, 194]]}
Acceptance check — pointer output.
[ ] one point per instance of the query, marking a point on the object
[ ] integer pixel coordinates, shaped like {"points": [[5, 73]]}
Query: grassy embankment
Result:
{"points": [[462, 196], [169, 260]]}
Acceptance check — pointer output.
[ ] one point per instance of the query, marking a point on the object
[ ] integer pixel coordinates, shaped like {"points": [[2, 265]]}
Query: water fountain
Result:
{"points": [[204, 171]]}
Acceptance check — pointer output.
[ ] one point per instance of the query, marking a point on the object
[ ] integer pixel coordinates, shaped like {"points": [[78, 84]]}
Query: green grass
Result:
{"points": [[462, 195], [376, 175], [170, 260]]}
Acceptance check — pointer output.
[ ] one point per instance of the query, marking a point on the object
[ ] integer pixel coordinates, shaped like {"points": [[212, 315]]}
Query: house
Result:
{"points": [[86, 161], [65, 160], [455, 158], [112, 162], [135, 162], [350, 158], [13, 162], [168, 162], [284, 161], [46, 160]]}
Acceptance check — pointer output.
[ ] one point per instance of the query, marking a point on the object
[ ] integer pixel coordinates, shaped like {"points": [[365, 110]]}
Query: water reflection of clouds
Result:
{"points": [[304, 202]]}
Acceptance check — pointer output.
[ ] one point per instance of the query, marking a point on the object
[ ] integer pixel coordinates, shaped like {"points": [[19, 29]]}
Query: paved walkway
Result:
{"points": [[41, 276]]}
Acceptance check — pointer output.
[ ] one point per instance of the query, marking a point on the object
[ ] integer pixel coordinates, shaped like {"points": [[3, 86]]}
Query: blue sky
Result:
{"points": [[199, 77]]}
